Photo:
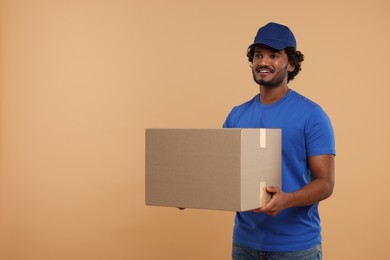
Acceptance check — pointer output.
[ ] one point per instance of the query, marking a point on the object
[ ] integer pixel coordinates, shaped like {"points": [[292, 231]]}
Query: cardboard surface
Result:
{"points": [[217, 169]]}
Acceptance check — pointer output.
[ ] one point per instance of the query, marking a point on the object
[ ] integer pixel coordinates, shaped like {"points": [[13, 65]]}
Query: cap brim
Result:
{"points": [[270, 43]]}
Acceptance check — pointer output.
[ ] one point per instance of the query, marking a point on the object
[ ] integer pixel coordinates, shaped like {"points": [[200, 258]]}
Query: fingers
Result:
{"points": [[258, 210], [272, 189], [266, 210], [271, 207]]}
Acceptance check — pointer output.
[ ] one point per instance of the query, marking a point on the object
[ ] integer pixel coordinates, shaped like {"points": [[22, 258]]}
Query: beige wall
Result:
{"points": [[81, 80]]}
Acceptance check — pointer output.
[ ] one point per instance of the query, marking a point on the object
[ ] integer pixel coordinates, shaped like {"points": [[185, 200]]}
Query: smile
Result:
{"points": [[264, 70]]}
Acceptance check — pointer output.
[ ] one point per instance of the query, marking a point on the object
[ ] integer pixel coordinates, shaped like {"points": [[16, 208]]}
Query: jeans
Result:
{"points": [[241, 252]]}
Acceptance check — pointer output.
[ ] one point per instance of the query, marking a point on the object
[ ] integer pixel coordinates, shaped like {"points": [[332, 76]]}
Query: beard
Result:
{"points": [[275, 81]]}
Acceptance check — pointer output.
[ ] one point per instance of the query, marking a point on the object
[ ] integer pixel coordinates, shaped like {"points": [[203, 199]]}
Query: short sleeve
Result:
{"points": [[228, 121], [319, 134]]}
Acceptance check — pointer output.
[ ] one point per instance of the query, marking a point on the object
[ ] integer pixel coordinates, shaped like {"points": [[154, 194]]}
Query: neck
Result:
{"points": [[270, 95]]}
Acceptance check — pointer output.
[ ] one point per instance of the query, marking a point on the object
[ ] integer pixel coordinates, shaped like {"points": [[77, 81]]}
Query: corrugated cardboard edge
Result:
{"points": [[263, 193]]}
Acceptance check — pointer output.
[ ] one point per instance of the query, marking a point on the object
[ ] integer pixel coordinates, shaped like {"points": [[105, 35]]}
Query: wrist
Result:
{"points": [[290, 201]]}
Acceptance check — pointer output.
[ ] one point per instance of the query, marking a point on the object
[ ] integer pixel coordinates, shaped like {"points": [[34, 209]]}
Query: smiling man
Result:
{"points": [[288, 226]]}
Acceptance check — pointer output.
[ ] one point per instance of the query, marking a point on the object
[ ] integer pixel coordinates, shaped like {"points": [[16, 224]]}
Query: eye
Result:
{"points": [[257, 56], [274, 56]]}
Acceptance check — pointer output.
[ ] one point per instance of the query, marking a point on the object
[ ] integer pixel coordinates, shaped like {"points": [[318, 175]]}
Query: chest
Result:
{"points": [[291, 122]]}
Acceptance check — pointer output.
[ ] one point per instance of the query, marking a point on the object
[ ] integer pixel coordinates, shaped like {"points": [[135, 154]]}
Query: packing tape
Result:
{"points": [[263, 138]]}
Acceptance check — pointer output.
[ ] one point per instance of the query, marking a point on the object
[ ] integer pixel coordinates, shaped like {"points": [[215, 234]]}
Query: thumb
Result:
{"points": [[272, 189]]}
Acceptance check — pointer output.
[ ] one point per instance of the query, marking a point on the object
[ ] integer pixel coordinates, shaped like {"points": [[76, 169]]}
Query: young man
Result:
{"points": [[288, 226]]}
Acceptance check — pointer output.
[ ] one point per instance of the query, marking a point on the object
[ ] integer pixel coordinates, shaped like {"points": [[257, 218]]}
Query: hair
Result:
{"points": [[294, 56]]}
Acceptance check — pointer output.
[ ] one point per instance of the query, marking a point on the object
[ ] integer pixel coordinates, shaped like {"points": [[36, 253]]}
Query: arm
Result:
{"points": [[320, 188]]}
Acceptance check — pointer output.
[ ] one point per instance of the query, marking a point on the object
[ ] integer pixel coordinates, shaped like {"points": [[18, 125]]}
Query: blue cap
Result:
{"points": [[276, 36]]}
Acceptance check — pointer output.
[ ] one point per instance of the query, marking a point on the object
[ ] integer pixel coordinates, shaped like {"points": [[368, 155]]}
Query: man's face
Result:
{"points": [[270, 67]]}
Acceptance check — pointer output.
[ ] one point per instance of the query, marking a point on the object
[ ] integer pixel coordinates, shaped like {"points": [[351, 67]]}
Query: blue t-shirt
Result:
{"points": [[306, 131]]}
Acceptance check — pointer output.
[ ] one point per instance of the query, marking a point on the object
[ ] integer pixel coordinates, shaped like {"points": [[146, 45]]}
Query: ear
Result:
{"points": [[290, 67]]}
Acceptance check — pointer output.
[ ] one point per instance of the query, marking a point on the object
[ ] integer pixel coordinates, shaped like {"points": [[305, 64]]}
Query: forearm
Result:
{"points": [[320, 188], [315, 191]]}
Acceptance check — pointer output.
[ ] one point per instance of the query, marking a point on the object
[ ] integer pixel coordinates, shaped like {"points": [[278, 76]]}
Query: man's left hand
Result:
{"points": [[278, 202]]}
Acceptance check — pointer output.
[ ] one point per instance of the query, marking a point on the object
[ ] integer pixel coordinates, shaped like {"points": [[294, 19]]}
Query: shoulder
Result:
{"points": [[306, 107], [310, 114], [244, 106], [318, 128], [247, 104], [303, 101], [239, 110]]}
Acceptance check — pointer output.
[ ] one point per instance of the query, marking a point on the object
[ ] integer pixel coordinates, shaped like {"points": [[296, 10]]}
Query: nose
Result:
{"points": [[264, 61]]}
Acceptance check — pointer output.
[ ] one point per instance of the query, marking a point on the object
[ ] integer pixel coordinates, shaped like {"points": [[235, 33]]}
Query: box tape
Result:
{"points": [[263, 142]]}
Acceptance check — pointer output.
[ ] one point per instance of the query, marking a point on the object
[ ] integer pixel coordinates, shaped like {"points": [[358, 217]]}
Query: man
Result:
{"points": [[288, 226]]}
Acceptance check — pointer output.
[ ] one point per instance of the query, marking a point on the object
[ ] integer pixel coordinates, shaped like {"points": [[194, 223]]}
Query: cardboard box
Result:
{"points": [[219, 169]]}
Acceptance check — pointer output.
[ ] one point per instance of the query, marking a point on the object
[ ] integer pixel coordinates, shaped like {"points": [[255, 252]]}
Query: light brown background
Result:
{"points": [[81, 80]]}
